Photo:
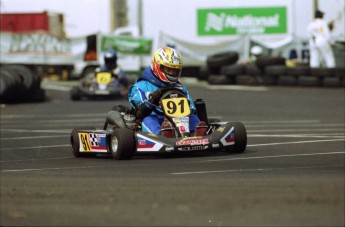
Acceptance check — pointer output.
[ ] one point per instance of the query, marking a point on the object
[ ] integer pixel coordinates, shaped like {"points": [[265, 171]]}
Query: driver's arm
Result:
{"points": [[137, 97]]}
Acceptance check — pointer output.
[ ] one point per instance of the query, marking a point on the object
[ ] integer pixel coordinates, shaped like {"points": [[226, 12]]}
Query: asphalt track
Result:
{"points": [[292, 173]]}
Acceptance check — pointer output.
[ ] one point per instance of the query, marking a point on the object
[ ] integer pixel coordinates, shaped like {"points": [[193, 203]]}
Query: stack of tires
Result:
{"points": [[303, 75], [223, 69], [212, 72], [18, 83]]}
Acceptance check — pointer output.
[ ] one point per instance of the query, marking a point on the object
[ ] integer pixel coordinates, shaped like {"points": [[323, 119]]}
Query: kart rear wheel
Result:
{"points": [[75, 94], [240, 139], [122, 144], [75, 143]]}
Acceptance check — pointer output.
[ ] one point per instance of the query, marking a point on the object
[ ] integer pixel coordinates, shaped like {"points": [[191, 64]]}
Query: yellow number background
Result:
{"points": [[180, 107], [103, 78], [84, 141]]}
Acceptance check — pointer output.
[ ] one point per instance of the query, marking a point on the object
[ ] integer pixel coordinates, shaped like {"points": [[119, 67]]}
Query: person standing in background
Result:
{"points": [[320, 42]]}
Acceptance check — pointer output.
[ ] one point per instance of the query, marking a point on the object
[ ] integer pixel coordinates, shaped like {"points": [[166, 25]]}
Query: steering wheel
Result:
{"points": [[167, 93]]}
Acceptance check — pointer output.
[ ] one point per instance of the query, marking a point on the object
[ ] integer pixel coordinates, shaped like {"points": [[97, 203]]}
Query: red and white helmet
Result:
{"points": [[166, 65]]}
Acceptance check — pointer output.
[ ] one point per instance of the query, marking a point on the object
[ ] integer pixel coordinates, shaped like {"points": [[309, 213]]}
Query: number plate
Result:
{"points": [[92, 142], [103, 78], [176, 107]]}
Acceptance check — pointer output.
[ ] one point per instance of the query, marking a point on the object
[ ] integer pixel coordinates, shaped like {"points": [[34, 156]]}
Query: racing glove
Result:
{"points": [[155, 96], [143, 111]]}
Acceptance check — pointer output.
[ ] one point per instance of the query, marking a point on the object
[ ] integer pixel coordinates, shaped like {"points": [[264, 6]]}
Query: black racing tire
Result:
{"points": [[309, 81], [220, 80], [38, 95], [263, 61], [298, 71], [204, 73], [221, 59], [331, 82], [75, 94], [275, 70], [12, 89], [340, 73], [37, 80], [287, 80], [253, 69], [323, 72], [75, 143], [233, 70], [240, 138], [122, 144], [26, 76], [272, 73]]}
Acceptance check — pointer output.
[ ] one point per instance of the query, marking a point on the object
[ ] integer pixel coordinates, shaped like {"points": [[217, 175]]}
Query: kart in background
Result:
{"points": [[99, 84]]}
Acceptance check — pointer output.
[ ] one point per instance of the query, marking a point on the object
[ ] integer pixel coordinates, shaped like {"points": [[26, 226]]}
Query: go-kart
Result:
{"points": [[122, 137], [99, 84]]}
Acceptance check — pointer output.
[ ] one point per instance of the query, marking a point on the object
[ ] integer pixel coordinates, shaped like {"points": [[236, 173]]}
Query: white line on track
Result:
{"points": [[55, 87], [236, 87], [204, 161], [284, 122], [64, 131], [269, 156], [294, 142], [333, 135], [59, 116], [59, 121], [250, 145], [33, 137], [255, 170], [326, 125], [298, 130], [37, 147], [35, 159]]}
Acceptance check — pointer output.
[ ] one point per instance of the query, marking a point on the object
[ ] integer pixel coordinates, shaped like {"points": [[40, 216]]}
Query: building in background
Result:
{"points": [[81, 18]]}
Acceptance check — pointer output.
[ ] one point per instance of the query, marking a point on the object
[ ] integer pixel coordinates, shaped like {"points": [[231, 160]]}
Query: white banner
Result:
{"points": [[194, 54], [40, 48]]}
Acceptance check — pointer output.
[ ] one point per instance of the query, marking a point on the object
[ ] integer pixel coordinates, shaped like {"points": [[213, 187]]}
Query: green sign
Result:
{"points": [[126, 45], [233, 21]]}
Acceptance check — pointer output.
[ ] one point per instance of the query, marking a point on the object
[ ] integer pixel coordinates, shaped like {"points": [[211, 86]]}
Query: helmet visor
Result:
{"points": [[172, 74]]}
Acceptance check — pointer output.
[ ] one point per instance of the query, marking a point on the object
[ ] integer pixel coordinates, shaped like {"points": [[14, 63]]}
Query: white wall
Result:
{"points": [[178, 18], [174, 17], [82, 17]]}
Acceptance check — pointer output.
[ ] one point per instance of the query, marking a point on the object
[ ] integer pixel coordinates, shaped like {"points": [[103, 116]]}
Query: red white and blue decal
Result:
{"points": [[146, 144], [229, 138]]}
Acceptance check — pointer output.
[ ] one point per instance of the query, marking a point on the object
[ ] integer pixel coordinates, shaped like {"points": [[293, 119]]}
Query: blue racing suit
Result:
{"points": [[140, 92]]}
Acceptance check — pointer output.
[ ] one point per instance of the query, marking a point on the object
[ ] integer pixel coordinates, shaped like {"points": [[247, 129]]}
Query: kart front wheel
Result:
{"points": [[75, 94], [240, 138], [122, 144]]}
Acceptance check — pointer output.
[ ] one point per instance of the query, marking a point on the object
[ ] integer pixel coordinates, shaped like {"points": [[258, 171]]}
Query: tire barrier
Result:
{"points": [[263, 61], [271, 72], [217, 61], [220, 79], [18, 83], [214, 65]]}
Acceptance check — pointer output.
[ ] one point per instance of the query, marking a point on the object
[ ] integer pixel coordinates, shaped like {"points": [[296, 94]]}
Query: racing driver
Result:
{"points": [[164, 72], [110, 65]]}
